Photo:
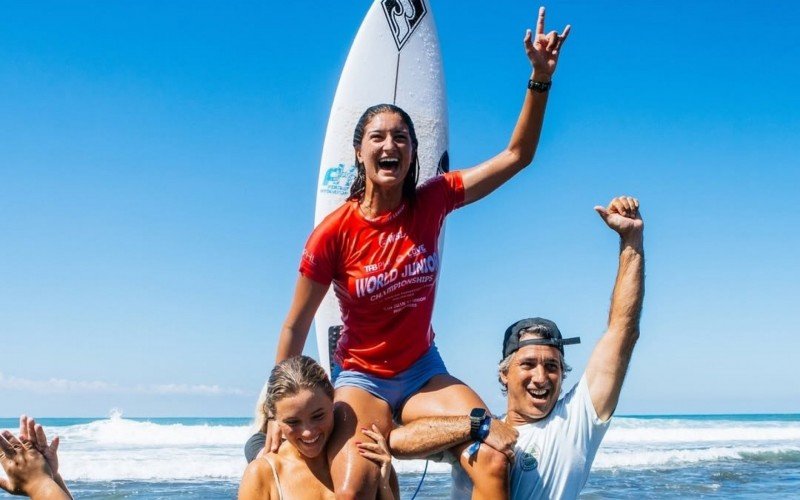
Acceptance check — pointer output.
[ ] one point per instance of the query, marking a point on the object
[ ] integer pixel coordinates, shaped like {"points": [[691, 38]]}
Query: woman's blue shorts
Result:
{"points": [[398, 389]]}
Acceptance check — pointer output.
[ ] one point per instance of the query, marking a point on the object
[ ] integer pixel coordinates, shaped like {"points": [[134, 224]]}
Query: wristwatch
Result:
{"points": [[476, 418], [540, 87]]}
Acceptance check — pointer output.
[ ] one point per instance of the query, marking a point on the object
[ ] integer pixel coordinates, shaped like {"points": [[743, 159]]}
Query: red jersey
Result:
{"points": [[384, 274]]}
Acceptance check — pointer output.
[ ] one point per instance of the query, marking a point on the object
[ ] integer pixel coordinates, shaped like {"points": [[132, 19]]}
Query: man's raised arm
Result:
{"points": [[608, 364]]}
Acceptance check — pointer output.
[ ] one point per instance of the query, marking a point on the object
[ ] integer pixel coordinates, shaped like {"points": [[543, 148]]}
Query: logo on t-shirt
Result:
{"points": [[529, 458], [387, 239], [371, 268], [308, 257]]}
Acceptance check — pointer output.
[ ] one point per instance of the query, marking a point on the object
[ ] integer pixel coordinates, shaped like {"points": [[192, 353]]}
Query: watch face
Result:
{"points": [[477, 413]]}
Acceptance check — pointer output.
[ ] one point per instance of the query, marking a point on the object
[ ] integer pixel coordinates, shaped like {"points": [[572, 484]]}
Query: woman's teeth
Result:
{"points": [[388, 162], [311, 441]]}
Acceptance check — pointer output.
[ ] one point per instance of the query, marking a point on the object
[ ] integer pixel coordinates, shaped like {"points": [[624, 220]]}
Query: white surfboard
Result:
{"points": [[395, 58]]}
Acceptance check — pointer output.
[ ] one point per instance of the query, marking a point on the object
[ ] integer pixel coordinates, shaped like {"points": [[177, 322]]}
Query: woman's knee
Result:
{"points": [[489, 464], [356, 493], [353, 475], [496, 462], [357, 480]]}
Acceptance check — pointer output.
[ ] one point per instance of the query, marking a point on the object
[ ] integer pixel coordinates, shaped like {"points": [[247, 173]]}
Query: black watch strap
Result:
{"points": [[540, 87], [476, 417]]}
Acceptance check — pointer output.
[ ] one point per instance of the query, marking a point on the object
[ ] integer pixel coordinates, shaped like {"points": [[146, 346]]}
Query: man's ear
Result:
{"points": [[504, 379]]}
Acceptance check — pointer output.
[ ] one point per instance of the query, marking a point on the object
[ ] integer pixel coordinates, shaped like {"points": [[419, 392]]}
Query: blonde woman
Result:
{"points": [[298, 398]]}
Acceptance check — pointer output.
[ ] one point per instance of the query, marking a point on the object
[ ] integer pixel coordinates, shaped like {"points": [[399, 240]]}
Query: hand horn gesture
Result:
{"points": [[543, 50]]}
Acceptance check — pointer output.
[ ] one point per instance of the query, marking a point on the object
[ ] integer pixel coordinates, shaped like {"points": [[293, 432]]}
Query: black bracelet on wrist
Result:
{"points": [[540, 87]]}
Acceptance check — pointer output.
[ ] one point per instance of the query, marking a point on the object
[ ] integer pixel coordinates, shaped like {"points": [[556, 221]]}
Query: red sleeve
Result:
{"points": [[319, 254], [447, 189]]}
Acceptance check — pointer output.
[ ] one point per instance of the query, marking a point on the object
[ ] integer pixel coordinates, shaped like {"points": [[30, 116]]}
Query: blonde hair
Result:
{"points": [[260, 416], [288, 378]]}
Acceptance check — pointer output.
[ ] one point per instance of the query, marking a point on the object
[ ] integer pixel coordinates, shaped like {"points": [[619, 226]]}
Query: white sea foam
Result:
{"points": [[145, 465], [117, 432], [640, 443], [124, 449], [740, 433], [628, 458]]}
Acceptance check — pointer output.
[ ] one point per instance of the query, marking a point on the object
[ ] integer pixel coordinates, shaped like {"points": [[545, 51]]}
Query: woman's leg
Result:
{"points": [[353, 475], [443, 396]]}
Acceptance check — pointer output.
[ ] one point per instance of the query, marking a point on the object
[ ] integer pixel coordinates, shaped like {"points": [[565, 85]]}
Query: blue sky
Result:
{"points": [[158, 164]]}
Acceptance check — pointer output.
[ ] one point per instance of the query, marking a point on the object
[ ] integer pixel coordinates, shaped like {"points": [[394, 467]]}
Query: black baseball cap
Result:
{"points": [[547, 330]]}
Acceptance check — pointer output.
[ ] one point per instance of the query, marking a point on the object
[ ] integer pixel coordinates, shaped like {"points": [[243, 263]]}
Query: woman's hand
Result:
{"points": [[33, 432], [27, 470], [543, 49], [378, 452]]}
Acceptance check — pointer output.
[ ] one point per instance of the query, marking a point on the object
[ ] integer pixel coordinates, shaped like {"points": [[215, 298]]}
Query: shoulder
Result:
{"points": [[334, 220], [343, 210], [441, 181], [260, 470], [577, 394], [446, 189], [567, 405], [258, 479], [328, 232], [577, 406]]}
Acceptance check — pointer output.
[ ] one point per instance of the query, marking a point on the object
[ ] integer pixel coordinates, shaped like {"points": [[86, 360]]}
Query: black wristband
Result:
{"points": [[540, 87]]}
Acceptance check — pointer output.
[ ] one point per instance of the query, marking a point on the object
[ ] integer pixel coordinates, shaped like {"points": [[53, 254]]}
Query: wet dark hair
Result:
{"points": [[360, 183]]}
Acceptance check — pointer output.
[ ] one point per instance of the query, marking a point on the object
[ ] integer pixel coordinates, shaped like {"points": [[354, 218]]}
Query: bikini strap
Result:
{"points": [[275, 476]]}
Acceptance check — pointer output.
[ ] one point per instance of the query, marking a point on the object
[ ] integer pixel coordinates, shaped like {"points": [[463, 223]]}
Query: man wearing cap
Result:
{"points": [[558, 438]]}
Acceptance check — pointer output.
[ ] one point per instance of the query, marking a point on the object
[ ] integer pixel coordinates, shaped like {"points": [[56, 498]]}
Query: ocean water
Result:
{"points": [[720, 456]]}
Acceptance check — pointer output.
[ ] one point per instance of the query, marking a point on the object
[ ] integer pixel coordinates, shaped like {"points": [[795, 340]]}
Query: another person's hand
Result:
{"points": [[543, 49], [622, 215], [27, 470], [502, 437], [33, 432], [378, 452], [274, 437]]}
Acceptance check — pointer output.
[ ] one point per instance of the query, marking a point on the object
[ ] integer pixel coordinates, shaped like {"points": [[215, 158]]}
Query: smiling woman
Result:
{"points": [[299, 399], [384, 135]]}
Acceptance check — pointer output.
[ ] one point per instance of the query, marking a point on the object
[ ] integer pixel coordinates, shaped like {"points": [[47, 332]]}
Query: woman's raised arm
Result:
{"points": [[543, 51]]}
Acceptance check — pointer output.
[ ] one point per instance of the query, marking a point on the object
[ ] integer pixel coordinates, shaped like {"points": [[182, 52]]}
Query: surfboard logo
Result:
{"points": [[403, 16], [338, 179]]}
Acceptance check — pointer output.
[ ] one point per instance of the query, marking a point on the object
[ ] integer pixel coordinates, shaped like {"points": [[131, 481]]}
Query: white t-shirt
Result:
{"points": [[553, 455]]}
